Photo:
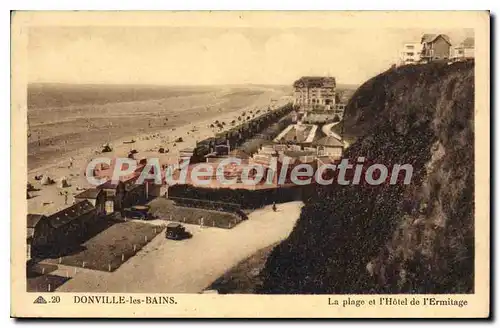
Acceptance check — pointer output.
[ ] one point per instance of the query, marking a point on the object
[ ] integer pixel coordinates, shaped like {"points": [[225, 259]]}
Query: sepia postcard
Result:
{"points": [[250, 164]]}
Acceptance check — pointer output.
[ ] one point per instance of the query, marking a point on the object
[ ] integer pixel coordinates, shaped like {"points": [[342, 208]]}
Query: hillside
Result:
{"points": [[416, 238]]}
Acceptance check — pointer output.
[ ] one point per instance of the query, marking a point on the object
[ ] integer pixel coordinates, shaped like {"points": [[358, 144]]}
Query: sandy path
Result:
{"points": [[327, 129], [189, 266]]}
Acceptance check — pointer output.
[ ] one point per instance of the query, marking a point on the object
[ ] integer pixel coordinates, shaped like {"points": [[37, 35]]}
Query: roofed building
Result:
{"points": [[435, 47], [96, 197], [37, 232], [298, 134], [315, 92], [329, 146], [410, 54], [135, 194], [114, 193], [464, 51], [61, 230]]}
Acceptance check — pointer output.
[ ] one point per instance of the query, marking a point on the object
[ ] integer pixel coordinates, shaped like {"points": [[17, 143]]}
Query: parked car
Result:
{"points": [[144, 209], [177, 231], [141, 208], [131, 214]]}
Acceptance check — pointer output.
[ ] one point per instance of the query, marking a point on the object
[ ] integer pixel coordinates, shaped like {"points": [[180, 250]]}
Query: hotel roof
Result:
{"points": [[314, 82]]}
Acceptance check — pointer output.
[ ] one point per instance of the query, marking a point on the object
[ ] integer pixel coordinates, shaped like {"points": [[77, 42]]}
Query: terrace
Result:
{"points": [[298, 133]]}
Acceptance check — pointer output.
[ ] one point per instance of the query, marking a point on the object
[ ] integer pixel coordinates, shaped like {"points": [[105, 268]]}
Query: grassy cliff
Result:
{"points": [[416, 238]]}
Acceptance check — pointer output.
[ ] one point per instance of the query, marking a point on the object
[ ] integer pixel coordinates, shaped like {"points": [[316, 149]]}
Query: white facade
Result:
{"points": [[335, 152], [410, 54], [460, 53], [463, 51]]}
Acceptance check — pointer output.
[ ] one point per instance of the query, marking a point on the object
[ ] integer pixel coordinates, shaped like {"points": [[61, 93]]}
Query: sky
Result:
{"points": [[168, 55]]}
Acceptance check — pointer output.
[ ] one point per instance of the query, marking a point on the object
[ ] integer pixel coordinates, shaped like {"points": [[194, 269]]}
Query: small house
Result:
{"points": [[464, 51], [410, 54], [435, 47], [38, 231], [329, 146], [68, 226], [114, 193], [96, 197], [71, 224]]}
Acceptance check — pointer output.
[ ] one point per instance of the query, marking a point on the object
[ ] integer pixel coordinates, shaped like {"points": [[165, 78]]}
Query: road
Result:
{"points": [[189, 266], [327, 129]]}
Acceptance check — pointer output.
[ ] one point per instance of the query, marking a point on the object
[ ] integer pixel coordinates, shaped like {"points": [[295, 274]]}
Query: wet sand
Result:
{"points": [[57, 132]]}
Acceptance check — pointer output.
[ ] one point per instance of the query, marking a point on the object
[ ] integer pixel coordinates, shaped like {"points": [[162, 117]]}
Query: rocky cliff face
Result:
{"points": [[416, 238]]}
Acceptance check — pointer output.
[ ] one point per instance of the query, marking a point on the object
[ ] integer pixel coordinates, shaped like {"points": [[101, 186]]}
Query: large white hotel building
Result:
{"points": [[315, 92]]}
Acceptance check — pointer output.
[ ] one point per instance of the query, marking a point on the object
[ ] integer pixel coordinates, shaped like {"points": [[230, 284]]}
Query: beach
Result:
{"points": [[63, 139]]}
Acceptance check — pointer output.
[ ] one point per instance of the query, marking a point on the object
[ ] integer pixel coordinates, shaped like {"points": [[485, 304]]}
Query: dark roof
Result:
{"points": [[70, 213], [426, 38], [314, 81], [173, 225], [33, 219], [329, 142], [132, 186], [109, 185], [91, 193]]}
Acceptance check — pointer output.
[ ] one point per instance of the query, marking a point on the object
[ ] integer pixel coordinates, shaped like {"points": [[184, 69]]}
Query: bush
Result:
{"points": [[247, 199], [416, 238]]}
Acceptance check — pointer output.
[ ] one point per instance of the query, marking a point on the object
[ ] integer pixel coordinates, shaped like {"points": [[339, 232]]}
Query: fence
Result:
{"points": [[210, 205], [248, 199]]}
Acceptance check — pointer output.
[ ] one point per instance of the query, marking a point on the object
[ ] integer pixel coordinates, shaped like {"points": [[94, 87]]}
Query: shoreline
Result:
{"points": [[171, 130], [47, 199]]}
